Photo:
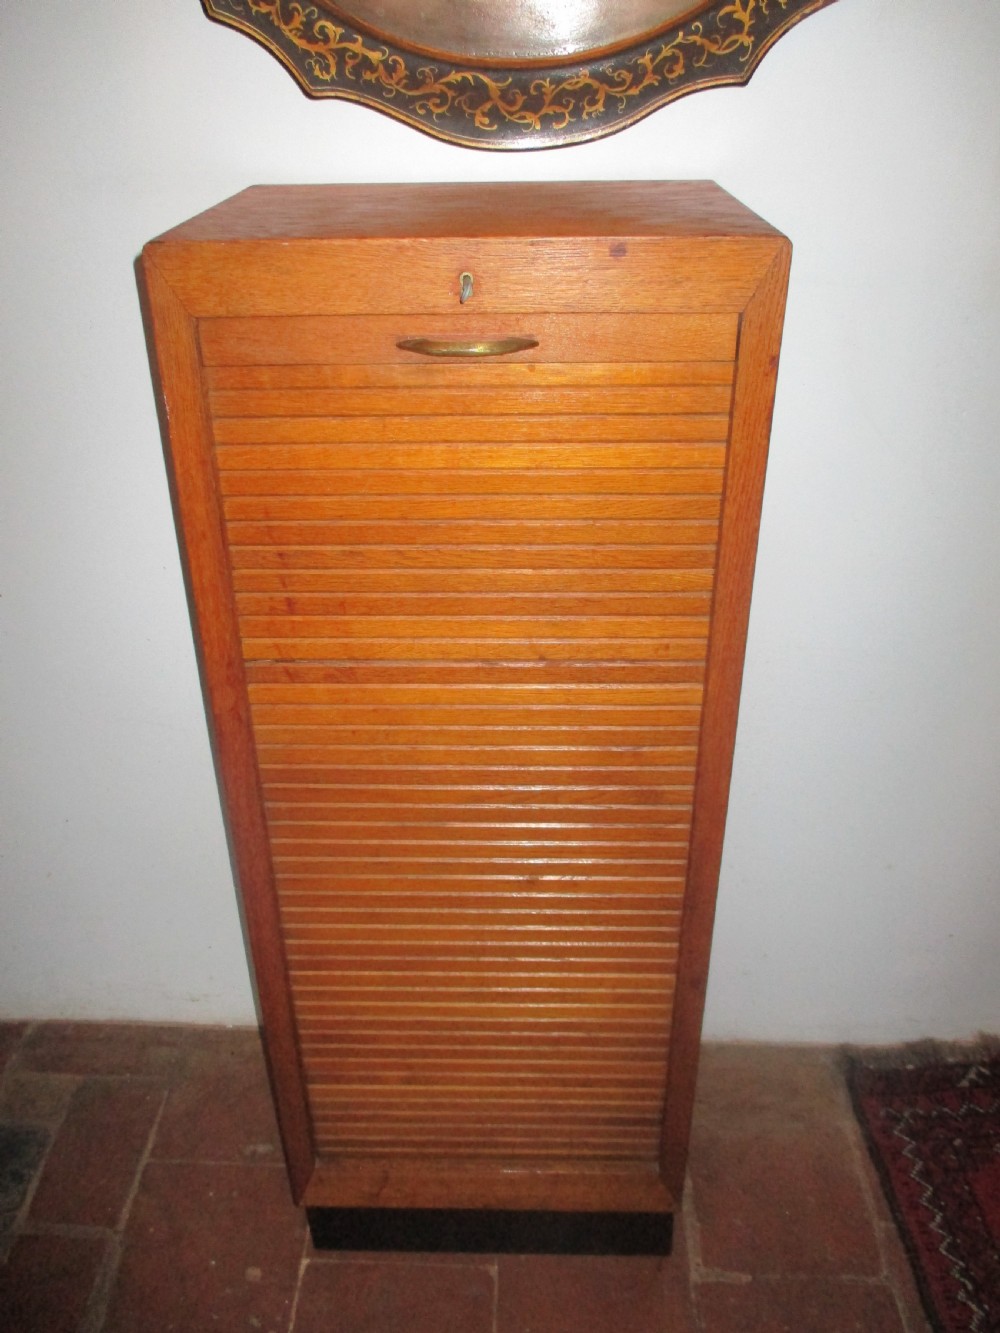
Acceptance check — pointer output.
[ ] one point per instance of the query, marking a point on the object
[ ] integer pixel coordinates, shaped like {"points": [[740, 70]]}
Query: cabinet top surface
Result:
{"points": [[521, 209]]}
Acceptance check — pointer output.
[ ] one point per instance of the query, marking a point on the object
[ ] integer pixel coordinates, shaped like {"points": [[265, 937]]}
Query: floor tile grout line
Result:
{"points": [[72, 1230], [217, 1161], [303, 1265], [96, 1312], [52, 1130], [10, 1066], [799, 1279], [15, 1055], [143, 1162], [698, 1273], [692, 1241], [494, 1268], [692, 1230]]}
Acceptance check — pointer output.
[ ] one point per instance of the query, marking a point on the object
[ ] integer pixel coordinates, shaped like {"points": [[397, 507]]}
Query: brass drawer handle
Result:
{"points": [[466, 346]]}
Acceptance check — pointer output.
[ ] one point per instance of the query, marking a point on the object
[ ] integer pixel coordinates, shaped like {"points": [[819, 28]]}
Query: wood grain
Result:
{"points": [[684, 275], [372, 340], [468, 399], [472, 635], [465, 375], [486, 428]]}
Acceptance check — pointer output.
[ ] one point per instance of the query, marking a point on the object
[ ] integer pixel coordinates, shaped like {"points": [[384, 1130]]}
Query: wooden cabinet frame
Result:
{"points": [[317, 253]]}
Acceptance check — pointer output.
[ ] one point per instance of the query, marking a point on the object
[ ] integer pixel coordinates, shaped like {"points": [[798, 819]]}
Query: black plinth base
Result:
{"points": [[476, 1231]]}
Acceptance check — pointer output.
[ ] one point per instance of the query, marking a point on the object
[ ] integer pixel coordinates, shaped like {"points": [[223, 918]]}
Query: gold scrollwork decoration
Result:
{"points": [[516, 104]]}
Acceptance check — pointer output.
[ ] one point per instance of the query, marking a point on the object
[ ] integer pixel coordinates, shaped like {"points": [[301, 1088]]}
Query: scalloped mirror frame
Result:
{"points": [[523, 102]]}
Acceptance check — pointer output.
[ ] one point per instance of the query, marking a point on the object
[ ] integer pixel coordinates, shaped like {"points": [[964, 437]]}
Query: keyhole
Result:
{"points": [[464, 287]]}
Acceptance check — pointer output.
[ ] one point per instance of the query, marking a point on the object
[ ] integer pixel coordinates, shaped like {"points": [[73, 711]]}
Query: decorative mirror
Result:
{"points": [[519, 74]]}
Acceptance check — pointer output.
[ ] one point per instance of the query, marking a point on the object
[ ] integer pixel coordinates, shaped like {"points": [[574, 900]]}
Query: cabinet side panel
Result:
{"points": [[753, 401], [193, 484]]}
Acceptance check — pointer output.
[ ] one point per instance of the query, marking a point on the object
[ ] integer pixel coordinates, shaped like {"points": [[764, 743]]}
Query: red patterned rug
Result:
{"points": [[934, 1134]]}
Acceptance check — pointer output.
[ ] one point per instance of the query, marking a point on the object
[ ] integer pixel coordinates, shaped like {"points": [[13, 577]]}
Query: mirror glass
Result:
{"points": [[513, 29]]}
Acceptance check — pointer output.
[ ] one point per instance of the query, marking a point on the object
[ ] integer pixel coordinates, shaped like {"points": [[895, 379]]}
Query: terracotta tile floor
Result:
{"points": [[142, 1191]]}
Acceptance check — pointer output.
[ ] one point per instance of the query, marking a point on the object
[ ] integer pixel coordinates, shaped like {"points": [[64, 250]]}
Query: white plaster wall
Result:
{"points": [[860, 885]]}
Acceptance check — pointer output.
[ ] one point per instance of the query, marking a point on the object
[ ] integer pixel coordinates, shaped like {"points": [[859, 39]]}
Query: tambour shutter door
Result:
{"points": [[474, 605]]}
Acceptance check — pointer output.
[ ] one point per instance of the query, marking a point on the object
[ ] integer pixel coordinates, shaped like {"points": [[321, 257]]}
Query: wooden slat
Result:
{"points": [[473, 650], [491, 549], [585, 735], [598, 821], [407, 953], [391, 454], [494, 1000], [329, 1071], [504, 862], [529, 857], [524, 508], [584, 902], [304, 339], [330, 1076], [482, 375], [485, 1151], [643, 1087], [605, 1011], [507, 1133], [530, 1059], [452, 968], [531, 986], [492, 604], [447, 480], [294, 710], [528, 678], [452, 1097], [493, 1123], [668, 429], [518, 628], [245, 510], [519, 675], [404, 1149], [598, 885], [518, 843], [327, 953], [502, 792], [324, 953], [459, 824], [381, 691], [524, 1040], [510, 533], [517, 1034], [324, 892], [316, 951], [453, 581], [526, 755], [525, 399]]}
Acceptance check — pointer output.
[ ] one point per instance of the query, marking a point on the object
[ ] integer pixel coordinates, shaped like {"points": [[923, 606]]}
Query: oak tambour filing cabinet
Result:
{"points": [[468, 482]]}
